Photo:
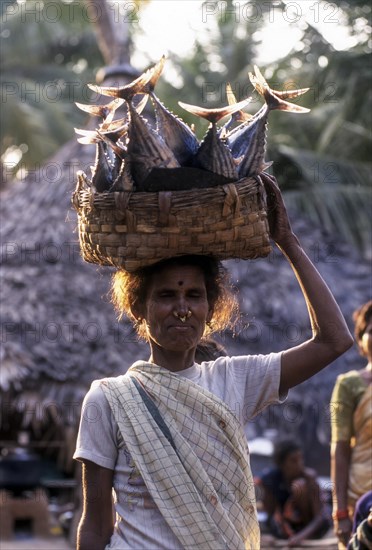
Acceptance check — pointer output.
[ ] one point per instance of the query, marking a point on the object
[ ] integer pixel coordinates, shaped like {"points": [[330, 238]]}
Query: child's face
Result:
{"points": [[293, 465]]}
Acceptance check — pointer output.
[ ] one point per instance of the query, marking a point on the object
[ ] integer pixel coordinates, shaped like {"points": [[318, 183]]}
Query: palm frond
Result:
{"points": [[333, 193]]}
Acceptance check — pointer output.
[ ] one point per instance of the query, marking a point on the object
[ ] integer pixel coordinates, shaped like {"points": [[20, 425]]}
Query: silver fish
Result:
{"points": [[112, 136], [213, 153], [115, 151], [238, 116], [102, 170], [124, 180], [175, 132], [110, 171], [236, 136], [146, 149], [109, 153], [249, 139]]}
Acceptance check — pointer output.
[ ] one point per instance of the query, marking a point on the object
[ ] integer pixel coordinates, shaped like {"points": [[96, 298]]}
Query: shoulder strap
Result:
{"points": [[154, 411]]}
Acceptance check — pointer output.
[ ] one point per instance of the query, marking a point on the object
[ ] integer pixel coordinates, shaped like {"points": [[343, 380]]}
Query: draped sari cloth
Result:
{"points": [[360, 472], [192, 454]]}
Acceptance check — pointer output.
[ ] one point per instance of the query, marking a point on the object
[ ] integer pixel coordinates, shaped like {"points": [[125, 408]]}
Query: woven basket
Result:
{"points": [[133, 230]]}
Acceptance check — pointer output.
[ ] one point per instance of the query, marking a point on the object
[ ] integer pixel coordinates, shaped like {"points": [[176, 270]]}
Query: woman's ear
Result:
{"points": [[210, 315], [136, 311]]}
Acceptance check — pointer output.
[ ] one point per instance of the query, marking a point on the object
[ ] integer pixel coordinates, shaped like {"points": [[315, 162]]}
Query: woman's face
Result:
{"points": [[174, 292]]}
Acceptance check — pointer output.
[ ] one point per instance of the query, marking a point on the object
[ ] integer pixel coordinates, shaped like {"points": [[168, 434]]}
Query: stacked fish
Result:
{"points": [[131, 155]]}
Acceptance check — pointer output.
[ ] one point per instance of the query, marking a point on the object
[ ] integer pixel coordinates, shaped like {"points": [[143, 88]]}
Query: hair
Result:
{"points": [[129, 291], [283, 448], [361, 318], [209, 350]]}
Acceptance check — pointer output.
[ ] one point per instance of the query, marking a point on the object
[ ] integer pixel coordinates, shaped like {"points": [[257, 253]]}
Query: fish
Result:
{"points": [[102, 178], [124, 180], [132, 155], [237, 116], [138, 86], [115, 131], [236, 133], [109, 152], [213, 153], [108, 124], [175, 132], [146, 148], [110, 138], [248, 141], [105, 112], [119, 178]]}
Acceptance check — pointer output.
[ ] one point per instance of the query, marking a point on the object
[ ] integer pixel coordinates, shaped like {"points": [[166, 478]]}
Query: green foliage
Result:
{"points": [[322, 160], [48, 55]]}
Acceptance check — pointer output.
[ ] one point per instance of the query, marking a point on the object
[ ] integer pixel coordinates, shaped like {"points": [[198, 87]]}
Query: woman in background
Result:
{"points": [[351, 415]]}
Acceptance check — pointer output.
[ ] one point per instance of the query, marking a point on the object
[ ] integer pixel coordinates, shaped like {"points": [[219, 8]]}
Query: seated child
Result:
{"points": [[292, 497]]}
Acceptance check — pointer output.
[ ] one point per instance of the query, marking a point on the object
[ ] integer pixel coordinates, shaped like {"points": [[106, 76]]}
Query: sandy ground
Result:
{"points": [[53, 543], [58, 543], [329, 542]]}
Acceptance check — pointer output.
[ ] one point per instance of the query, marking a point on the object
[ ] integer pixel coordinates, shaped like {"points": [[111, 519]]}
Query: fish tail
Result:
{"points": [[288, 94], [88, 136], [144, 84], [94, 110], [231, 99], [141, 104], [106, 112], [272, 100], [214, 115], [156, 72], [238, 116]]}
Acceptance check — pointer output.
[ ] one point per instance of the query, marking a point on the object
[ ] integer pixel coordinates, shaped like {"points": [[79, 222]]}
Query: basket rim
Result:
{"points": [[85, 197], [129, 230]]}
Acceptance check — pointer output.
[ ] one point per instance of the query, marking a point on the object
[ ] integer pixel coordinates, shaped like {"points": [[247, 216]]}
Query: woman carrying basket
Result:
{"points": [[167, 436]]}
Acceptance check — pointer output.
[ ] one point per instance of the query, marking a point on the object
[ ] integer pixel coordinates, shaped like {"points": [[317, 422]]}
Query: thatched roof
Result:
{"points": [[58, 327], [59, 331]]}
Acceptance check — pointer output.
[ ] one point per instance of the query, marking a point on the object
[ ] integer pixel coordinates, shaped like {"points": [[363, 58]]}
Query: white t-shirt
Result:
{"points": [[247, 384]]}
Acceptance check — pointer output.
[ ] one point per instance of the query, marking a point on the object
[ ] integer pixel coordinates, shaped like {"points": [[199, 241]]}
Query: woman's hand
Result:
{"points": [[279, 224]]}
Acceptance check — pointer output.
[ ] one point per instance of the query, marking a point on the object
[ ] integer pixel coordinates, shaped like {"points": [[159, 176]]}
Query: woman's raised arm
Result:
{"points": [[331, 336]]}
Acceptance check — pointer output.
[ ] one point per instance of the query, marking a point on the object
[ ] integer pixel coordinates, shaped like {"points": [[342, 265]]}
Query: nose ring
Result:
{"points": [[183, 318]]}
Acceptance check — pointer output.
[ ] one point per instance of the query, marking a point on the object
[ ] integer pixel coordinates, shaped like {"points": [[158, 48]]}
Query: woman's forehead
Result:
{"points": [[179, 276]]}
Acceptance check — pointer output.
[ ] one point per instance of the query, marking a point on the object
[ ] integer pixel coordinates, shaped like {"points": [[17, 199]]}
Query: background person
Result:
{"points": [[362, 524], [292, 497], [351, 427], [362, 509]]}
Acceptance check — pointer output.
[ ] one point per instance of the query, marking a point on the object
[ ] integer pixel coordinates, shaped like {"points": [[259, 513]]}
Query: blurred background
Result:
{"points": [[58, 329]]}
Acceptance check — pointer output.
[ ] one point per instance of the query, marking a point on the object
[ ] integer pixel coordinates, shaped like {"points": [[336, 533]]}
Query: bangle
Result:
{"points": [[341, 514]]}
